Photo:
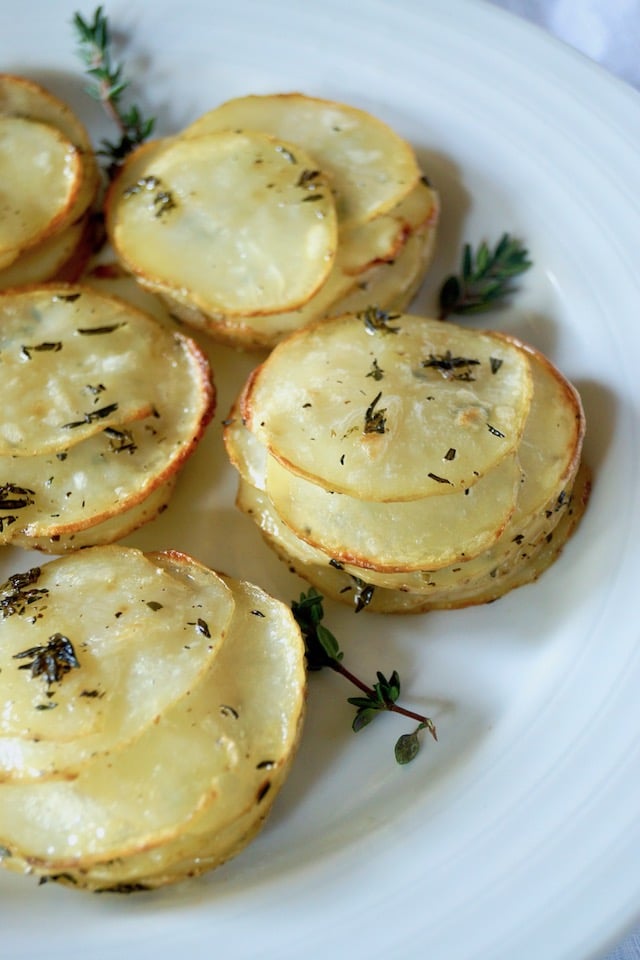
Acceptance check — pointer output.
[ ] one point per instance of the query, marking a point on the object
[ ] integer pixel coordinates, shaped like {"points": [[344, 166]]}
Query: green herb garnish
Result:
{"points": [[52, 661], [484, 278], [108, 86], [322, 650]]}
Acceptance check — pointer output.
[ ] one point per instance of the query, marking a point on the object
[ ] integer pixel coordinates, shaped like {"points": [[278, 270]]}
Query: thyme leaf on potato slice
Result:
{"points": [[323, 650]]}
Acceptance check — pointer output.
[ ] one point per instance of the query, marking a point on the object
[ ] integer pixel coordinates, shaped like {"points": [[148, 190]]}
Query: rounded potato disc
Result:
{"points": [[242, 222], [390, 407]]}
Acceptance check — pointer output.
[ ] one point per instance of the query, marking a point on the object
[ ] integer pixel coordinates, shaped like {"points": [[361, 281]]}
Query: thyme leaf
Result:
{"points": [[108, 86], [485, 277], [323, 650], [52, 661]]}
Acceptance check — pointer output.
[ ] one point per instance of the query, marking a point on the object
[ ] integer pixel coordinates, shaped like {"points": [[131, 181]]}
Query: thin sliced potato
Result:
{"points": [[371, 168], [47, 260], [426, 533], [140, 635], [448, 405], [345, 586], [41, 172], [62, 493], [20, 97], [390, 286], [229, 743], [382, 239], [243, 222], [70, 363], [108, 531]]}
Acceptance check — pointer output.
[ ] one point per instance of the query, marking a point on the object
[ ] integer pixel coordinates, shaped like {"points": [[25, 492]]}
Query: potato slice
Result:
{"points": [[390, 286], [49, 259], [23, 98], [342, 583], [387, 536], [448, 405], [429, 532], [382, 239], [40, 172], [108, 531], [234, 219], [73, 362], [140, 638], [370, 167], [229, 745], [60, 494]]}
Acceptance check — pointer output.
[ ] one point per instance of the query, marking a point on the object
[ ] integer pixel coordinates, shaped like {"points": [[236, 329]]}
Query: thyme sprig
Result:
{"points": [[323, 650], [108, 86], [485, 277]]}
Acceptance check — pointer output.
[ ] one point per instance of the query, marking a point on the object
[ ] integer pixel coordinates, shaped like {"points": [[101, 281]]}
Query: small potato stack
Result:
{"points": [[151, 712], [403, 464], [50, 179], [271, 212], [101, 408]]}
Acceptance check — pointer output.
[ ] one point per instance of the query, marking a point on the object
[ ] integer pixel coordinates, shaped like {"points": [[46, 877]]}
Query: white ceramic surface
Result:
{"points": [[517, 834]]}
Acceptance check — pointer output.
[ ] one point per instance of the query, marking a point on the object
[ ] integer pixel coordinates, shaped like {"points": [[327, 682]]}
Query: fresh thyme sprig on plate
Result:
{"points": [[108, 85], [484, 278], [323, 650]]}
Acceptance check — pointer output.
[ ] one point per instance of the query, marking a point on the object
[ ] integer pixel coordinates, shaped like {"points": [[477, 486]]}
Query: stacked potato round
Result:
{"points": [[101, 408], [270, 212], [401, 463], [151, 713], [48, 169]]}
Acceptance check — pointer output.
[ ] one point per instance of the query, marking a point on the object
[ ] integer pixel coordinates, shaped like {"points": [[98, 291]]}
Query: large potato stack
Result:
{"points": [[151, 711], [270, 212], [401, 463], [101, 406], [50, 179]]}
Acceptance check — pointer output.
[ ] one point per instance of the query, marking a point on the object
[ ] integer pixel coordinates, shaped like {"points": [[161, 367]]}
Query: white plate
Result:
{"points": [[517, 835]]}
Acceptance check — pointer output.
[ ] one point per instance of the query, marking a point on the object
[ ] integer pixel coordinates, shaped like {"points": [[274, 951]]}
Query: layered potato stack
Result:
{"points": [[403, 464], [101, 405], [270, 212], [151, 712], [50, 179]]}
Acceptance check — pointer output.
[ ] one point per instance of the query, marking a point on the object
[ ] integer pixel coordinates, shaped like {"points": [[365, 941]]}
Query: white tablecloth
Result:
{"points": [[607, 31]]}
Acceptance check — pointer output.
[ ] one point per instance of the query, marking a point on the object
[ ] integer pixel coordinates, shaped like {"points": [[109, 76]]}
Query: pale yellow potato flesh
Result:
{"points": [[125, 823], [429, 532], [46, 260], [40, 176], [115, 528], [135, 630], [23, 98], [70, 365], [390, 286], [111, 472], [237, 225], [380, 536], [314, 530], [451, 404], [259, 674], [383, 238], [371, 168]]}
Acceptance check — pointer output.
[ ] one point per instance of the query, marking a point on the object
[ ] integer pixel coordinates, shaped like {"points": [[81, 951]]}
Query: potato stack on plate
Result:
{"points": [[101, 408], [49, 172], [152, 709], [270, 212], [401, 464]]}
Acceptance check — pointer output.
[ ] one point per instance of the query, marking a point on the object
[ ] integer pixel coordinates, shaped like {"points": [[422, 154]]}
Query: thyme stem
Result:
{"points": [[322, 650], [108, 86]]}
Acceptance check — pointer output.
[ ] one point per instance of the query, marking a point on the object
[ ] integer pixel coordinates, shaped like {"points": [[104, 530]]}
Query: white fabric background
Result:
{"points": [[607, 31]]}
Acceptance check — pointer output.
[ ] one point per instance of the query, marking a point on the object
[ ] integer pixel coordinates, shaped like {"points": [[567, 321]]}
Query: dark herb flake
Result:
{"points": [[375, 420], [52, 661]]}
